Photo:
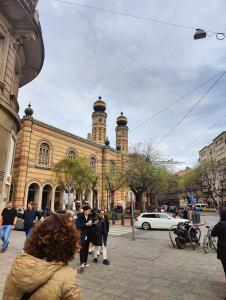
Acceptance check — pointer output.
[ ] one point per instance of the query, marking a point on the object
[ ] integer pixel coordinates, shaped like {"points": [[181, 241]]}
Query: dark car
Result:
{"points": [[20, 221]]}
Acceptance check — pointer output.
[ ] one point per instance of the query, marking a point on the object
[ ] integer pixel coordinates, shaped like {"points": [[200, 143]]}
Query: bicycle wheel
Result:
{"points": [[206, 244], [213, 243], [194, 236]]}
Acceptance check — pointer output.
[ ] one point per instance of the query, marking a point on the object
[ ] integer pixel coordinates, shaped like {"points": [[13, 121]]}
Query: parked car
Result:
{"points": [[73, 212], [20, 221], [200, 206], [156, 220]]}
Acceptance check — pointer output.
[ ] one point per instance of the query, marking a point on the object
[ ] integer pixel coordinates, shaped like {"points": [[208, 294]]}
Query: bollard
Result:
{"points": [[122, 219], [131, 220], [113, 218]]}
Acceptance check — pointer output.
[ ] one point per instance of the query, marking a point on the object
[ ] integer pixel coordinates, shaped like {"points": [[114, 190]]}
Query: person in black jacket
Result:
{"points": [[219, 230], [102, 225], [30, 217], [84, 223]]}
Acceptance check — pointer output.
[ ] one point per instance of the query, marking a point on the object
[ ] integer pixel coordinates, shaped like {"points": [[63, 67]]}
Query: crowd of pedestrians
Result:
{"points": [[94, 228], [51, 242]]}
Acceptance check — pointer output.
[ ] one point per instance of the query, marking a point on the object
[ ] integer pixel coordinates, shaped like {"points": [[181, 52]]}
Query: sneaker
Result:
{"points": [[95, 260], [3, 250], [86, 265], [82, 268], [106, 262]]}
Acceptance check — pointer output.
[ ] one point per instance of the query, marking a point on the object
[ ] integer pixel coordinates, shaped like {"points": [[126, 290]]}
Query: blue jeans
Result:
{"points": [[5, 233], [28, 232]]}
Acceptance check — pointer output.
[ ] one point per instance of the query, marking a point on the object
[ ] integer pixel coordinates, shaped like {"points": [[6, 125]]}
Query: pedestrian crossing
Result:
{"points": [[120, 230]]}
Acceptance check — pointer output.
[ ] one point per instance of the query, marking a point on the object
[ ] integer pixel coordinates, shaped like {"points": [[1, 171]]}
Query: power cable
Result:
{"points": [[202, 134], [130, 15], [191, 109], [131, 57], [175, 102]]}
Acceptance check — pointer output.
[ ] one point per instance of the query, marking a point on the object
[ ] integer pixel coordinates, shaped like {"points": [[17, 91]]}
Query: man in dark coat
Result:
{"points": [[30, 216], [219, 230], [84, 223], [102, 225]]}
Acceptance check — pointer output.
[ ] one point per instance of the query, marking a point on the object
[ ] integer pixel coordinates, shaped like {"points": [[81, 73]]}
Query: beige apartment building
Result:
{"points": [[216, 151], [21, 59], [40, 146]]}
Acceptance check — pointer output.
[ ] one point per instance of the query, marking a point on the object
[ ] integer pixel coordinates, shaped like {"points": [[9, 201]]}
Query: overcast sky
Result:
{"points": [[137, 66]]}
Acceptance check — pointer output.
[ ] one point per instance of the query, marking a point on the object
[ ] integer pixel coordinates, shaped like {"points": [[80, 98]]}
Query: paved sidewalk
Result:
{"points": [[148, 268]]}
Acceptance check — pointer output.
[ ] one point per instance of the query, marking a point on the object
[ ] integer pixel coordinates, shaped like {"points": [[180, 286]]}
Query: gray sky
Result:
{"points": [[136, 66]]}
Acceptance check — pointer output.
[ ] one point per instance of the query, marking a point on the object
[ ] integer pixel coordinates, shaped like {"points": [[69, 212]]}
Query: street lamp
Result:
{"points": [[201, 34]]}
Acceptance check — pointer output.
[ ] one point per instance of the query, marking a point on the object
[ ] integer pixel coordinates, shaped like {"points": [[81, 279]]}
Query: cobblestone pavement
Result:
{"points": [[147, 268]]}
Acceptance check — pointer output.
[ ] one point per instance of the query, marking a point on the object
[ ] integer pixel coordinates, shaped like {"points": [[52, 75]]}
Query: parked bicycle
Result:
{"points": [[209, 241]]}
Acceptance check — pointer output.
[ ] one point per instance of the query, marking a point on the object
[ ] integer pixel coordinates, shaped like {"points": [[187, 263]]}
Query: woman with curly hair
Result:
{"points": [[42, 272]]}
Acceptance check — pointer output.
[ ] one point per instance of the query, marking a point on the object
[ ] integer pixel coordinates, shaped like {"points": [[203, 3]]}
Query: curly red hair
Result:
{"points": [[54, 239]]}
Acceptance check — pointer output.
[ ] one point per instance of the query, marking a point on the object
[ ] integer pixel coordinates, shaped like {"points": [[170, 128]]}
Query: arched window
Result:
{"points": [[93, 163], [72, 154], [43, 155]]}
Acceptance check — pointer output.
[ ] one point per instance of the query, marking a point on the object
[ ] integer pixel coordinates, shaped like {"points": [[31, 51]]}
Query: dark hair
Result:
{"points": [[223, 214], [30, 202], [86, 208], [54, 239]]}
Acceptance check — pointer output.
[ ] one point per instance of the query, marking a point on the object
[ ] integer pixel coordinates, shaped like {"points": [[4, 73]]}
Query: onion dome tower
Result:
{"points": [[122, 133], [99, 117], [28, 112]]}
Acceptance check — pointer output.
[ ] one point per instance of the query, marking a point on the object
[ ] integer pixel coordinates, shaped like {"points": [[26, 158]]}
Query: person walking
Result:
{"points": [[102, 225], [219, 230], [30, 217], [42, 271], [84, 223], [7, 223]]}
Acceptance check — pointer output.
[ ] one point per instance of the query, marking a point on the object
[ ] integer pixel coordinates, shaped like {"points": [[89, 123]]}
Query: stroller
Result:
{"points": [[186, 233]]}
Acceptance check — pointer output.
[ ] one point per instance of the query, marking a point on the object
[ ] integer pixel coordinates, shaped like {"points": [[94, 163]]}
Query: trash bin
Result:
{"points": [[193, 217], [197, 217]]}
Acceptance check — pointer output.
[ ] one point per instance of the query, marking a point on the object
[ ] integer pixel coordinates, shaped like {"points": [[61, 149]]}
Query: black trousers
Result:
{"points": [[84, 252], [224, 266]]}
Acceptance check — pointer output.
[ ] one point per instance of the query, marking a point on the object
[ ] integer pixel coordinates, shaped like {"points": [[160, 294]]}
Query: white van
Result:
{"points": [[200, 206]]}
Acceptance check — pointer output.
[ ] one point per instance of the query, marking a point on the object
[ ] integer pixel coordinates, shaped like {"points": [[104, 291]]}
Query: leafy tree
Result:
{"points": [[76, 174], [204, 179], [141, 174], [114, 179]]}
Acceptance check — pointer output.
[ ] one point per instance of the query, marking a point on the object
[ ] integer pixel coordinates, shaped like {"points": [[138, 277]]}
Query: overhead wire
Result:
{"points": [[104, 10], [221, 74], [191, 109], [131, 57], [173, 103], [202, 134]]}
